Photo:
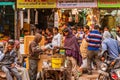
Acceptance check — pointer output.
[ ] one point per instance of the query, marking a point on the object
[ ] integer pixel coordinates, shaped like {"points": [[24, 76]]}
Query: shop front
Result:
{"points": [[109, 13], [78, 12], [35, 13], [7, 20]]}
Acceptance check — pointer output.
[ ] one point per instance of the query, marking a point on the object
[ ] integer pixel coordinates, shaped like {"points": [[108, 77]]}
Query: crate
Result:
{"points": [[56, 62]]}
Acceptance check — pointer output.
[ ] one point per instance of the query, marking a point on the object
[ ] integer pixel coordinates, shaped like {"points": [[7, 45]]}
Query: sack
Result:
{"points": [[84, 65]]}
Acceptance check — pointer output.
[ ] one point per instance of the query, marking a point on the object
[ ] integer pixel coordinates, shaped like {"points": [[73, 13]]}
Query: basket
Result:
{"points": [[56, 62]]}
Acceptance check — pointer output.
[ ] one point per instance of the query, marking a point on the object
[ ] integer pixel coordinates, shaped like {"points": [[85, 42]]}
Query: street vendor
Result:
{"points": [[34, 51]]}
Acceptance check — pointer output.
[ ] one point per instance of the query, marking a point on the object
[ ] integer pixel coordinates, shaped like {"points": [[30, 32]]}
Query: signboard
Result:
{"points": [[76, 3], [36, 3], [108, 3]]}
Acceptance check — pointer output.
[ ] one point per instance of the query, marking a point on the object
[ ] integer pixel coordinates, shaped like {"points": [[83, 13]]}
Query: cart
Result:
{"points": [[53, 70]]}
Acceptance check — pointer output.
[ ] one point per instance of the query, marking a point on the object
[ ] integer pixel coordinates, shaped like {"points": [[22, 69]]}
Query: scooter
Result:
{"points": [[109, 69]]}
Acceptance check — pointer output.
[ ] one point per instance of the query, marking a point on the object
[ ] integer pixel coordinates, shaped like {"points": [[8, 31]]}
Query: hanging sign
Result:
{"points": [[76, 3], [36, 3], [108, 3]]}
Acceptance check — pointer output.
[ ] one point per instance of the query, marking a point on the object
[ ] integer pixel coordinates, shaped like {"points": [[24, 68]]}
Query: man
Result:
{"points": [[94, 41], [34, 51], [7, 59], [84, 49], [84, 44], [56, 41], [79, 34], [111, 45]]}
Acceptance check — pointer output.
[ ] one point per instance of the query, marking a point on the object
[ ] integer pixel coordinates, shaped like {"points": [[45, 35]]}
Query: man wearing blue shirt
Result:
{"points": [[111, 45], [94, 41]]}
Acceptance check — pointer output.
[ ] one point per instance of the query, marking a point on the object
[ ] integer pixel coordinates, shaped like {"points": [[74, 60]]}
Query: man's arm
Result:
{"points": [[35, 49], [104, 47], [1, 55]]}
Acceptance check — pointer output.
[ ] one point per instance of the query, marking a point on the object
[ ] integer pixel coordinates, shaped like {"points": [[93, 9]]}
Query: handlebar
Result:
{"points": [[105, 53]]}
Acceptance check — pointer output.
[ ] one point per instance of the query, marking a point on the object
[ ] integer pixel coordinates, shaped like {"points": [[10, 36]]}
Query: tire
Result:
{"points": [[100, 77]]}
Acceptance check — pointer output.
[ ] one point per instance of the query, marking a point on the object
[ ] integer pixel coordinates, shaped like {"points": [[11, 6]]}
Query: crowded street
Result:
{"points": [[59, 39]]}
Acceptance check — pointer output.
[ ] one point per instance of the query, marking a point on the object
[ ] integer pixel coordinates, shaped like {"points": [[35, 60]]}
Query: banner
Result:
{"points": [[36, 3], [76, 3], [108, 3]]}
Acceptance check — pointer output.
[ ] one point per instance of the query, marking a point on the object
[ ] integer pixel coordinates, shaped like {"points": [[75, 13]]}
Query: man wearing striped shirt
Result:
{"points": [[94, 41]]}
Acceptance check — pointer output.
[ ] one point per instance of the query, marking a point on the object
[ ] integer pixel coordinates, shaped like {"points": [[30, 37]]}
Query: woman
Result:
{"points": [[72, 53]]}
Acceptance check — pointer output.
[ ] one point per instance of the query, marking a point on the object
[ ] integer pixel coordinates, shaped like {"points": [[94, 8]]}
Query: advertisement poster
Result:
{"points": [[76, 3], [36, 3], [108, 3]]}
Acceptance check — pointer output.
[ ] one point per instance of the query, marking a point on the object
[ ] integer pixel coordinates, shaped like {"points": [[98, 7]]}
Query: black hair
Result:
{"points": [[96, 27], [118, 26], [50, 29], [66, 24], [56, 28], [106, 27], [66, 30], [87, 27]]}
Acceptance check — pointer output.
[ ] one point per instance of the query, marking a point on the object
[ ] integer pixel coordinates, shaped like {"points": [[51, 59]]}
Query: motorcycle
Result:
{"points": [[109, 69]]}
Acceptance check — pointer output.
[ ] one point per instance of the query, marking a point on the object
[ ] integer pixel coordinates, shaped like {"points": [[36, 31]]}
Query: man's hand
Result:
{"points": [[12, 65], [5, 51]]}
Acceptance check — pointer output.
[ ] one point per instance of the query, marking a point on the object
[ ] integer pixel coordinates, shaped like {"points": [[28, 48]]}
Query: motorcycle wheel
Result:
{"points": [[103, 77]]}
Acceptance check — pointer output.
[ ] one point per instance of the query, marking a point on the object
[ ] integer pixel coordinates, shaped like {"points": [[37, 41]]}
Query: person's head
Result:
{"points": [[10, 45], [37, 38], [26, 32], [64, 25], [118, 28], [96, 27], [106, 35], [79, 28], [74, 30], [49, 30], [17, 45], [66, 32], [106, 28], [101, 30], [43, 32], [55, 30], [86, 28]]}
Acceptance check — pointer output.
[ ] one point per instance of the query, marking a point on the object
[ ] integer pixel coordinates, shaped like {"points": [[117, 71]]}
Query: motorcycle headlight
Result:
{"points": [[104, 66]]}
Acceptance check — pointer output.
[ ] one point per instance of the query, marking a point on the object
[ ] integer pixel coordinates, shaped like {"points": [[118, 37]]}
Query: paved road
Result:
{"points": [[89, 77]]}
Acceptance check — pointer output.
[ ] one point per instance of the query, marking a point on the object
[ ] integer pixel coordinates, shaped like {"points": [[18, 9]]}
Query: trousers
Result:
{"points": [[92, 57], [8, 72], [33, 66]]}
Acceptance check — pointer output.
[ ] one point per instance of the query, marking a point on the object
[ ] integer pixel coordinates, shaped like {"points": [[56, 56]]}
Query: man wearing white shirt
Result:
{"points": [[56, 41]]}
